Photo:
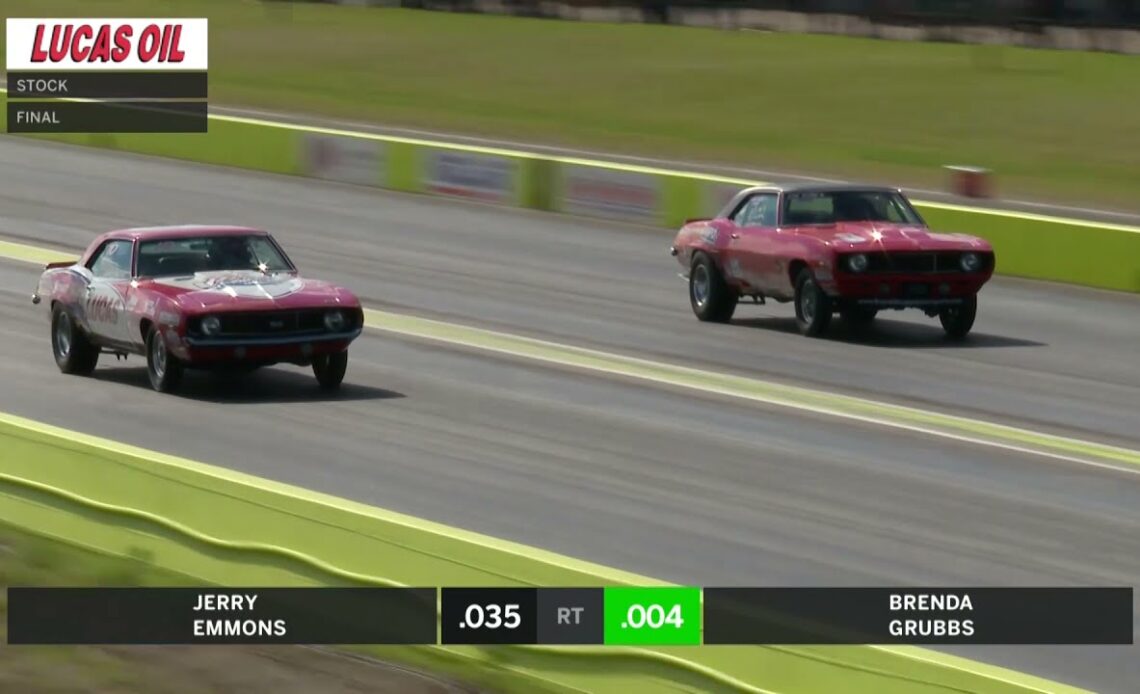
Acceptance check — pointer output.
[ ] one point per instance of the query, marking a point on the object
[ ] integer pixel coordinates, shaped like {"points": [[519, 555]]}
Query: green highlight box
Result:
{"points": [[659, 616]]}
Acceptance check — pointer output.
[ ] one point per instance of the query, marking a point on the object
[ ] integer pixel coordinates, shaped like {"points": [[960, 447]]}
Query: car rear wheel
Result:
{"points": [[329, 369], [813, 306], [73, 351], [710, 296], [958, 320], [163, 368]]}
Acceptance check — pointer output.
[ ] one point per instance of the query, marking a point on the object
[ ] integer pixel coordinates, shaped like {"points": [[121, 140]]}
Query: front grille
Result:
{"points": [[273, 323], [915, 262]]}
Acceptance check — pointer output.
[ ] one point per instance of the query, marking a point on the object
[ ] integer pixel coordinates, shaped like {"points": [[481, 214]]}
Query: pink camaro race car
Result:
{"points": [[849, 249], [197, 297]]}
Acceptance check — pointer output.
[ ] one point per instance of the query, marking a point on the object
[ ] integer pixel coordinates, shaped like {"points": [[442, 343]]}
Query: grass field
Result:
{"points": [[1051, 124], [28, 560]]}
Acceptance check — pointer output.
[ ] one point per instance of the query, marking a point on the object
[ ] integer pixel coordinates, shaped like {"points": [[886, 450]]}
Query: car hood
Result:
{"points": [[250, 290], [883, 236]]}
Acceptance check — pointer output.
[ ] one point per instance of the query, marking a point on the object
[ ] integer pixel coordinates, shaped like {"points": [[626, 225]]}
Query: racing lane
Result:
{"points": [[697, 491], [1058, 357], [666, 484]]}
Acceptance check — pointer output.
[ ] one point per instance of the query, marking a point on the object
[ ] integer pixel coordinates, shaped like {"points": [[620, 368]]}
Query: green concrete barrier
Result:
{"points": [[225, 527], [1075, 251]]}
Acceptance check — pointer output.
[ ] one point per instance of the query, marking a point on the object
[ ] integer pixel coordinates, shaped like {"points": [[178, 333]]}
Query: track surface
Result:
{"points": [[663, 483]]}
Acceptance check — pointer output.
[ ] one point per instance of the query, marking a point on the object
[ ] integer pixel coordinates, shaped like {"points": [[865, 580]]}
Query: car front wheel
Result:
{"points": [[813, 306], [958, 320], [74, 353], [329, 369], [163, 368]]}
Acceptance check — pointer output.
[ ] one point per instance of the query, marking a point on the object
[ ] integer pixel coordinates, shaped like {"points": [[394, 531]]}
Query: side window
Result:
{"points": [[744, 212], [760, 210], [112, 261], [765, 211]]}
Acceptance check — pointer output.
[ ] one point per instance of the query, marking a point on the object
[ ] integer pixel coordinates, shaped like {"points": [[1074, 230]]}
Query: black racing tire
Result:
{"points": [[712, 299], [162, 368], [73, 351], [958, 320], [813, 306], [858, 316], [330, 368]]}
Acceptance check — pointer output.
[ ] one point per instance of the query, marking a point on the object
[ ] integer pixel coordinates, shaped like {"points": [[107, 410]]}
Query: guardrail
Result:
{"points": [[1095, 254], [225, 527]]}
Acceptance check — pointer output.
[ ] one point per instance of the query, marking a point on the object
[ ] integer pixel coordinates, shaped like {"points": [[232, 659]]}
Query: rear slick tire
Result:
{"points": [[74, 354], [958, 320], [712, 299], [330, 369]]}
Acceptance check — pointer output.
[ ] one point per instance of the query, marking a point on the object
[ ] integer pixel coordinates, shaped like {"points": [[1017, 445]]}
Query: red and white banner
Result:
{"points": [[162, 43], [477, 176], [612, 193], [346, 159]]}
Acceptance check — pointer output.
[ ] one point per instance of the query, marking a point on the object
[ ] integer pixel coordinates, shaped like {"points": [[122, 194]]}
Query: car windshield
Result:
{"points": [[185, 256], [829, 207]]}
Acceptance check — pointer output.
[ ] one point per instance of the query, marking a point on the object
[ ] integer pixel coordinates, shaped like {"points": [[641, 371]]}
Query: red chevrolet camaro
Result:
{"points": [[852, 250], [198, 297]]}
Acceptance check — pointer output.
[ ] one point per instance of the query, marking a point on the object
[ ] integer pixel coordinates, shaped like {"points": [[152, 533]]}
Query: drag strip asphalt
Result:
{"points": [[687, 489], [650, 481], [1043, 356]]}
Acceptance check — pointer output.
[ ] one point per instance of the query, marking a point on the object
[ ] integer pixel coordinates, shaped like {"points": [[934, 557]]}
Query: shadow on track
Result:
{"points": [[890, 333], [267, 385]]}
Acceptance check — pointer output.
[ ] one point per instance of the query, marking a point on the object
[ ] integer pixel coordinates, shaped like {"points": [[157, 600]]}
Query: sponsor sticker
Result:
{"points": [[484, 177], [164, 43], [344, 159], [599, 192]]}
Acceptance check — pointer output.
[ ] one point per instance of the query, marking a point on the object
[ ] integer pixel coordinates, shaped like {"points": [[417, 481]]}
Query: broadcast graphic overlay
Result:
{"points": [[107, 75], [613, 616]]}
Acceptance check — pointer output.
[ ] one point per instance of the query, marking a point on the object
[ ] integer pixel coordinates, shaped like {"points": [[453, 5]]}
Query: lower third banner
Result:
{"points": [[918, 616], [221, 615]]}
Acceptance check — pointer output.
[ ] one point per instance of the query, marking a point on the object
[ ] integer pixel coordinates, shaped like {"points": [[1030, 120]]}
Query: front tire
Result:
{"points": [[712, 299], [329, 369], [813, 306], [163, 368], [73, 351], [958, 320]]}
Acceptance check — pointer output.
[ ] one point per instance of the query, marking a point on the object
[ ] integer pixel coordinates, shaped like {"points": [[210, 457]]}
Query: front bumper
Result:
{"points": [[262, 349], [910, 290]]}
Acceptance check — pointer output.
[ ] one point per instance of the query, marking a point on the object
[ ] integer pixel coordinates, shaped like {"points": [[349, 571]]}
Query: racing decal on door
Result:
{"points": [[102, 308]]}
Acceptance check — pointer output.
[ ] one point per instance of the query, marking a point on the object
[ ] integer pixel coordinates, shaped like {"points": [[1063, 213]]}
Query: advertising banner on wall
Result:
{"points": [[345, 159], [472, 175], [611, 193]]}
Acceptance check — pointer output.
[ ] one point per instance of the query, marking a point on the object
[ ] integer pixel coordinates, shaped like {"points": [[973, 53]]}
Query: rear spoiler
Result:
{"points": [[60, 263], [691, 220]]}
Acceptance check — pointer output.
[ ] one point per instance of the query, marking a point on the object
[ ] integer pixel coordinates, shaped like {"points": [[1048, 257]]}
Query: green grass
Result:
{"points": [[1051, 124], [31, 560]]}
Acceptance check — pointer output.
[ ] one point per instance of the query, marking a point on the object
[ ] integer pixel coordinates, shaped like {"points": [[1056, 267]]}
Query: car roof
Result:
{"points": [[182, 231], [818, 187]]}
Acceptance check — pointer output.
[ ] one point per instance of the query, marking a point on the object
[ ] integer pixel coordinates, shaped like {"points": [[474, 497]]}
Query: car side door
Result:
{"points": [[751, 246], [103, 302]]}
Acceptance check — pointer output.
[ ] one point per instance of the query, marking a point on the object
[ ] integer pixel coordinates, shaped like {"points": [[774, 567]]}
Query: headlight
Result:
{"points": [[211, 325], [971, 262], [335, 321], [857, 262]]}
